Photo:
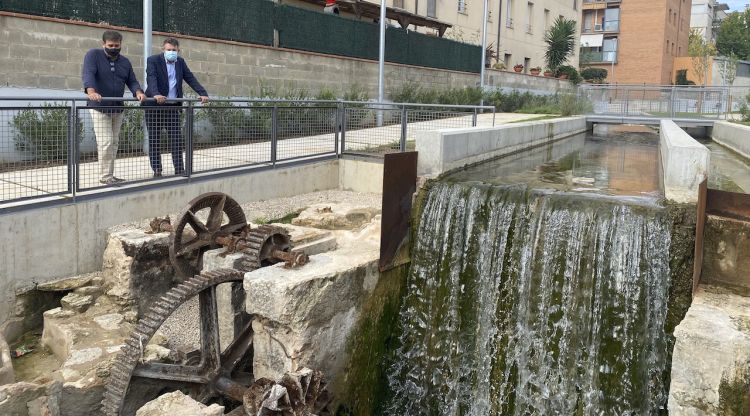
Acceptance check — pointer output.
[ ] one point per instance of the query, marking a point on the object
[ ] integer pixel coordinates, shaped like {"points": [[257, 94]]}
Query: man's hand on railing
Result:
{"points": [[94, 96], [140, 96], [160, 99], [204, 99]]}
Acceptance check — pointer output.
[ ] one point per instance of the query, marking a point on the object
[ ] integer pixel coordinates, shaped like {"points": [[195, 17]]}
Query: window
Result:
{"points": [[398, 3], [575, 4], [509, 14], [526, 64], [529, 17], [506, 60], [462, 6], [546, 19], [609, 50], [612, 20], [666, 50], [588, 19], [431, 6]]}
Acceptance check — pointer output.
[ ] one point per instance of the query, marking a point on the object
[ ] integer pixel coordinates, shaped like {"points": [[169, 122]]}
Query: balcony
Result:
{"points": [[598, 57], [612, 26], [600, 1]]}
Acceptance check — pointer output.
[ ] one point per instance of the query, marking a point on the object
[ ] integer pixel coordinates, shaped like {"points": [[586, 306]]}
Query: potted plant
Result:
{"points": [[548, 73], [499, 65], [518, 68], [568, 72], [535, 70]]}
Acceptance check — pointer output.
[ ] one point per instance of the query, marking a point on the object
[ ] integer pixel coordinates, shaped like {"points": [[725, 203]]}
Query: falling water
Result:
{"points": [[530, 302]]}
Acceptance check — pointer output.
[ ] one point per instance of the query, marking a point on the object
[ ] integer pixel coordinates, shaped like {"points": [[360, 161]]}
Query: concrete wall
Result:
{"points": [[361, 175], [44, 244], [443, 150], [508, 81], [684, 163], [732, 135]]}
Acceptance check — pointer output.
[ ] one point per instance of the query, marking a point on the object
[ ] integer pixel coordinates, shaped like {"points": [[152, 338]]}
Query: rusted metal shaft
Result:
{"points": [[291, 258]]}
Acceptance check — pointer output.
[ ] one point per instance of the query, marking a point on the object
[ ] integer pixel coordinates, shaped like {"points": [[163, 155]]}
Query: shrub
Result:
{"points": [[571, 72], [231, 124], [44, 132], [560, 40], [570, 104], [131, 133], [745, 109], [594, 74]]}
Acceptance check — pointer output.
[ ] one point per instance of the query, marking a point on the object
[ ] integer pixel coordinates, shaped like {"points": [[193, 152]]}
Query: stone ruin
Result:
{"points": [[297, 319]]}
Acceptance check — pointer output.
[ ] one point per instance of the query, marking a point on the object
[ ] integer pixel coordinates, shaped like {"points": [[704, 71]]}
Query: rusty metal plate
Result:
{"points": [[700, 224], [399, 184], [728, 204]]}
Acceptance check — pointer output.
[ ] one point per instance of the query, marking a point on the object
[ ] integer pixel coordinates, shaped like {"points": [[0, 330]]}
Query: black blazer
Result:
{"points": [[158, 80]]}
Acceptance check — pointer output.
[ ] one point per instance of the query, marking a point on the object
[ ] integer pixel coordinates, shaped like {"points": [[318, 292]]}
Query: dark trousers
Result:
{"points": [[159, 118]]}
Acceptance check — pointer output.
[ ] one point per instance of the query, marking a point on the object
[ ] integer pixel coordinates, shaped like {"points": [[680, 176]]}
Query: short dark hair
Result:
{"points": [[111, 35], [172, 41]]}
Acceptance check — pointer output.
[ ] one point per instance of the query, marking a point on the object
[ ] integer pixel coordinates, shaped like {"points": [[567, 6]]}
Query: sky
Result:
{"points": [[735, 5]]}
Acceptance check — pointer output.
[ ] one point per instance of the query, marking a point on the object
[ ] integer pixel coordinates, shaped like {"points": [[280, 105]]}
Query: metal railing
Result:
{"points": [[55, 149], [669, 101]]}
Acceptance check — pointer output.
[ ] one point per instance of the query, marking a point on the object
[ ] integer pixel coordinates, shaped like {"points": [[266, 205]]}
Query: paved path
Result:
{"points": [[54, 179]]}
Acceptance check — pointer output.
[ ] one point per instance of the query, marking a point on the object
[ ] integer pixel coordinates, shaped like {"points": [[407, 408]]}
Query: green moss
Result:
{"points": [[681, 262], [364, 380], [734, 395]]}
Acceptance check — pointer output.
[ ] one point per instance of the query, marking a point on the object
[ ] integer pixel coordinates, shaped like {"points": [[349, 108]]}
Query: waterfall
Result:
{"points": [[533, 302]]}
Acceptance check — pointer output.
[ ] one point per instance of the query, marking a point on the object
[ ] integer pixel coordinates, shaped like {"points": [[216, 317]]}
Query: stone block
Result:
{"points": [[23, 52], [76, 302], [65, 284], [178, 403], [712, 344], [136, 267], [14, 397], [7, 375], [54, 54], [684, 163], [337, 216]]}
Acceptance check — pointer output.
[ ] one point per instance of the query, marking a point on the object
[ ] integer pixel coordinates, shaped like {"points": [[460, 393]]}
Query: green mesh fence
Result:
{"points": [[254, 21]]}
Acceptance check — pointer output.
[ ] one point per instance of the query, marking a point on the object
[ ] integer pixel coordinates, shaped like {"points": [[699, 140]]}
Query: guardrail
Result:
{"points": [[683, 102], [52, 150]]}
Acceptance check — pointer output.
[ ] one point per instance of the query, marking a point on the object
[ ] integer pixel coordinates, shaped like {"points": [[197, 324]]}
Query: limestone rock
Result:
{"points": [[7, 375], [76, 302], [83, 356], [711, 343], [303, 316], [136, 268], [177, 403], [14, 397], [340, 216], [154, 352], [94, 291], [109, 321], [67, 284]]}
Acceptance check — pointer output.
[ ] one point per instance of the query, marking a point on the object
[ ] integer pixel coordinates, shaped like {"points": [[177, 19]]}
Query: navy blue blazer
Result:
{"points": [[158, 81]]}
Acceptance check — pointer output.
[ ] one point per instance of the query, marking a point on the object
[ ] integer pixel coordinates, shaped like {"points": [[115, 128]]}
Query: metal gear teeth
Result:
{"points": [[130, 355]]}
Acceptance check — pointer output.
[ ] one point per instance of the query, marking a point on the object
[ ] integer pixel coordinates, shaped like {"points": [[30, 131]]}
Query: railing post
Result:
{"points": [[73, 149], [404, 123], [671, 103], [474, 118], [189, 149], [274, 133], [337, 129], [343, 130]]}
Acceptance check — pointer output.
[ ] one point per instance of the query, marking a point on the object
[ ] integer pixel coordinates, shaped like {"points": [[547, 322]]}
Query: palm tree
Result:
{"points": [[560, 39]]}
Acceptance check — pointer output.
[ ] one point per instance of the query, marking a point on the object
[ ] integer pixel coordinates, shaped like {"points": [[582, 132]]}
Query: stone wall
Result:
{"points": [[47, 53]]}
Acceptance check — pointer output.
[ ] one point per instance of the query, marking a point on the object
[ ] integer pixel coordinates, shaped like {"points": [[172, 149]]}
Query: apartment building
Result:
{"points": [[706, 17], [515, 28], [635, 40]]}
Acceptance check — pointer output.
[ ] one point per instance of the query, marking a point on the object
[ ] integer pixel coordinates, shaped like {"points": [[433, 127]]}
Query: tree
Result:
{"points": [[733, 37], [700, 50], [560, 40], [728, 70]]}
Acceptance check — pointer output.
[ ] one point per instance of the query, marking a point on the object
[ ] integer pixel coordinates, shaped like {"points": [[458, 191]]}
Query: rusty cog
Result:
{"points": [[133, 382], [192, 236]]}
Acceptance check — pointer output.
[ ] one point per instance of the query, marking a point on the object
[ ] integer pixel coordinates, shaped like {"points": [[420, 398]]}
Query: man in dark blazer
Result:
{"points": [[164, 75]]}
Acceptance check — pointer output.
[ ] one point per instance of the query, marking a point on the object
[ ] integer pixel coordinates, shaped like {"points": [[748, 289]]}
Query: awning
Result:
{"points": [[592, 41]]}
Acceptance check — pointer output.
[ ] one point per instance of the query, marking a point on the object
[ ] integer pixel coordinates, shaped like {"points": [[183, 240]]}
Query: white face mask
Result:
{"points": [[170, 56]]}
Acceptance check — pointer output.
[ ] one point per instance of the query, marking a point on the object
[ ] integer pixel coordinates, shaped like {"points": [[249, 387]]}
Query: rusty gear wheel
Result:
{"points": [[262, 242], [187, 244], [218, 374]]}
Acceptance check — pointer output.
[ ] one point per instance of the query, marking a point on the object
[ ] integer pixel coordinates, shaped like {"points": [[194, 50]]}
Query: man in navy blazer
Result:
{"points": [[164, 75]]}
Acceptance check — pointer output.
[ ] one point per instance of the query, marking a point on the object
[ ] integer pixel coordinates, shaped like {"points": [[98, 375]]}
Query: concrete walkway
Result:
{"points": [[53, 180]]}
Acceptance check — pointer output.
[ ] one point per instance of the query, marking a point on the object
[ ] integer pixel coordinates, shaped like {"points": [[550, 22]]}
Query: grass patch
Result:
{"points": [[286, 219], [544, 117]]}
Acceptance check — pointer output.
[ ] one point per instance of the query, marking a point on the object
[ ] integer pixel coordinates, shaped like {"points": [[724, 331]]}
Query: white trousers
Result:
{"points": [[107, 131]]}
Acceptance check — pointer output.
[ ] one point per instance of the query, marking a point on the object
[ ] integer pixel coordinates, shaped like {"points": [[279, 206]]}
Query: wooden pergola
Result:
{"points": [[368, 10]]}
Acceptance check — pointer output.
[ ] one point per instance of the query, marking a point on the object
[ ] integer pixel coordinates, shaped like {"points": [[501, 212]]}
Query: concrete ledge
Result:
{"points": [[732, 135], [361, 175], [443, 150], [684, 163]]}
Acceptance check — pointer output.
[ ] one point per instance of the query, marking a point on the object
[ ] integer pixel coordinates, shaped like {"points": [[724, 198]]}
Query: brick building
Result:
{"points": [[635, 40]]}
